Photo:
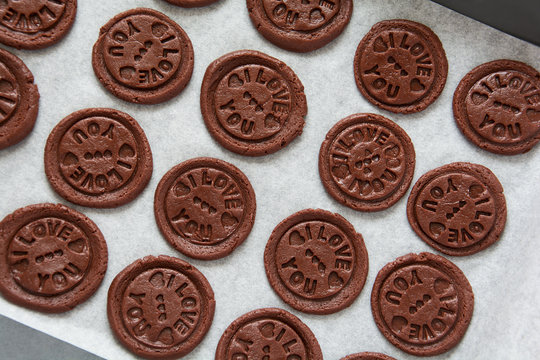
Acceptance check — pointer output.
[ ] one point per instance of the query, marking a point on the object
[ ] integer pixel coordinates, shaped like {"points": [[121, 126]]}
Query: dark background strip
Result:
{"points": [[20, 342], [520, 18]]}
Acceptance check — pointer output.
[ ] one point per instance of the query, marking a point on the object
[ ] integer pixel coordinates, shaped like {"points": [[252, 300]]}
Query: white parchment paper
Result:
{"points": [[506, 319]]}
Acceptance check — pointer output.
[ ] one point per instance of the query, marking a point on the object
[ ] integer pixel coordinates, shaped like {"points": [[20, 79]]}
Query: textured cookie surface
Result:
{"points": [[160, 307], [400, 66], [252, 103], [316, 262], [300, 25], [422, 304], [366, 162], [19, 100], [205, 207], [458, 209], [497, 107], [142, 56], [54, 257], [268, 333], [35, 24], [98, 157], [368, 356]]}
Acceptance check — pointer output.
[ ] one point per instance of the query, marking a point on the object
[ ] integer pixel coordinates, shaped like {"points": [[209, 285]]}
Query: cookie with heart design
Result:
{"points": [[316, 262]]}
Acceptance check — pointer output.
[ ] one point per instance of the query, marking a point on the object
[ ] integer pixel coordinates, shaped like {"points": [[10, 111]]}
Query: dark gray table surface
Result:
{"points": [[20, 342], [520, 18]]}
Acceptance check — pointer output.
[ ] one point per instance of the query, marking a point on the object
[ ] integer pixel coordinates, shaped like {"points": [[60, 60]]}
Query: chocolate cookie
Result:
{"points": [[268, 334], [400, 66], [497, 107], [368, 356], [19, 100], [458, 209], [35, 24], [191, 3], [252, 104], [53, 257], [300, 26], [98, 157], [160, 307], [205, 208], [422, 303], [366, 162], [316, 262], [142, 56]]}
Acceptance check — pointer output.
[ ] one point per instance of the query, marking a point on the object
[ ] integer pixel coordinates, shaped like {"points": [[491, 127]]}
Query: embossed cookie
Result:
{"points": [[458, 209], [160, 307], [191, 3], [366, 162], [53, 257], [497, 107], [316, 262], [19, 100], [400, 66], [142, 56], [368, 356], [422, 303], [35, 24], [268, 334], [205, 208], [300, 25], [98, 157], [252, 104]]}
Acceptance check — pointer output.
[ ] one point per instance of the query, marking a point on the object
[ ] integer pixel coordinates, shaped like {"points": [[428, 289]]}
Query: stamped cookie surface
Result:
{"points": [[53, 257], [497, 107], [316, 262], [252, 104], [35, 24], [160, 307], [368, 356], [268, 334], [400, 66], [19, 100], [366, 162], [300, 25], [422, 303], [205, 207], [459, 208], [98, 157], [142, 56], [191, 3]]}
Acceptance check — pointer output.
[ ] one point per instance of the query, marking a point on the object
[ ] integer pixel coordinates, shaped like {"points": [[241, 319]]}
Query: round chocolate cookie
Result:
{"points": [[400, 66], [268, 334], [368, 356], [300, 25], [53, 257], [366, 162], [191, 3], [205, 208], [35, 24], [160, 307], [458, 209], [252, 104], [19, 100], [98, 157], [497, 107], [422, 303], [142, 56], [316, 262]]}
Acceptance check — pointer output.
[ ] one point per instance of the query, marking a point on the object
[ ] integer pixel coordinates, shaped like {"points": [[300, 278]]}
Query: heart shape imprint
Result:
{"points": [[235, 81], [334, 280], [295, 239], [416, 85]]}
